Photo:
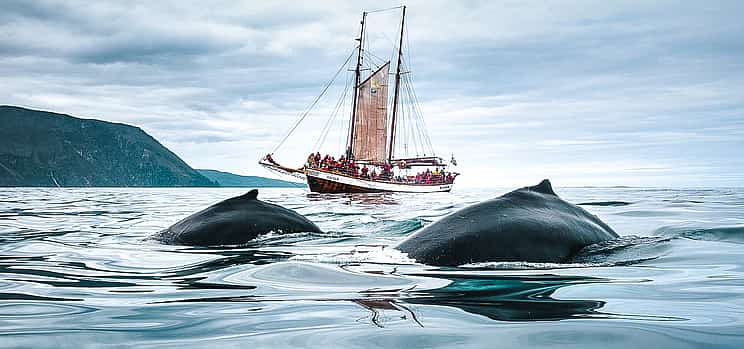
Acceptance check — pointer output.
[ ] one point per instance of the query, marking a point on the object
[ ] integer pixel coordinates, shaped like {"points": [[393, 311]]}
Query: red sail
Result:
{"points": [[370, 124]]}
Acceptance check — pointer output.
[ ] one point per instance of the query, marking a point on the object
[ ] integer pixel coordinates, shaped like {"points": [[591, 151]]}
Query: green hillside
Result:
{"points": [[39, 148]]}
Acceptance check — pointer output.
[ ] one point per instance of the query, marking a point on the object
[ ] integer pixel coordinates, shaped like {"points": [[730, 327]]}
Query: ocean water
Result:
{"points": [[77, 271]]}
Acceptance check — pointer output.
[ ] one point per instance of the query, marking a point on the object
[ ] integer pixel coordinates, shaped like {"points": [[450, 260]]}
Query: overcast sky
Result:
{"points": [[640, 93]]}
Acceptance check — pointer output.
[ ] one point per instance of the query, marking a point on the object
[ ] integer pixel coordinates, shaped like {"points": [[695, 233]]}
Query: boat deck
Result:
{"points": [[325, 181]]}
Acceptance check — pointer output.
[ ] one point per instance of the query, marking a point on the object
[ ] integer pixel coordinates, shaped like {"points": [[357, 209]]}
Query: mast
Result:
{"points": [[350, 153], [397, 87]]}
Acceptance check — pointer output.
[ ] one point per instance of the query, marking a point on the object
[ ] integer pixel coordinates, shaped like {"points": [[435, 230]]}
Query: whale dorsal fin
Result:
{"points": [[544, 187], [251, 195]]}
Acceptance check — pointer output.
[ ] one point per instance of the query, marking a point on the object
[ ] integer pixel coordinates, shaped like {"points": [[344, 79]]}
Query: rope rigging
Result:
{"points": [[384, 9], [410, 127], [327, 127], [312, 105]]}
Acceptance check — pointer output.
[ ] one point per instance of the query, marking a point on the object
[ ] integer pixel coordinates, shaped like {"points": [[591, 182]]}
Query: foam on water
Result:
{"points": [[361, 254]]}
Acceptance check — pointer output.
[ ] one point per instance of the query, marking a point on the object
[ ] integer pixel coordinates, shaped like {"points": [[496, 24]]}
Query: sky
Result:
{"points": [[586, 93]]}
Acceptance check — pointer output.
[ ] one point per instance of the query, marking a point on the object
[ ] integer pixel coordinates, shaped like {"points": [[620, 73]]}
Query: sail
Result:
{"points": [[370, 123]]}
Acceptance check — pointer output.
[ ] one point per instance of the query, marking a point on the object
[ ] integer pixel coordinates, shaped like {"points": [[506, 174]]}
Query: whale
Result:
{"points": [[235, 221], [530, 224]]}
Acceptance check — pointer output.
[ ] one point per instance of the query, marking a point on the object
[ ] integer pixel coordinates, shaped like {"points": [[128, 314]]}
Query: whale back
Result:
{"points": [[529, 224], [544, 187], [236, 220], [251, 195]]}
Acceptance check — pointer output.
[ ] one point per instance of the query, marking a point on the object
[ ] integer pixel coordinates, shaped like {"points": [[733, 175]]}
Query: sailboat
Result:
{"points": [[372, 161]]}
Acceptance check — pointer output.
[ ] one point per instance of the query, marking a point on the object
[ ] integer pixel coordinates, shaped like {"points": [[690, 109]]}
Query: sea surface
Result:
{"points": [[77, 271]]}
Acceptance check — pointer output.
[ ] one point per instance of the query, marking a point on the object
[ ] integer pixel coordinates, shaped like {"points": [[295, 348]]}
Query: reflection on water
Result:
{"points": [[356, 198], [512, 298], [77, 269]]}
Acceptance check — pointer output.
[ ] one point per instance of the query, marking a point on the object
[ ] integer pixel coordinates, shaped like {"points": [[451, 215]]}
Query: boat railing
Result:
{"points": [[432, 179], [269, 163]]}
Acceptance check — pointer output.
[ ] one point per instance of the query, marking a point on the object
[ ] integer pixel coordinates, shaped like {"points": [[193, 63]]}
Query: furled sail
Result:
{"points": [[370, 124]]}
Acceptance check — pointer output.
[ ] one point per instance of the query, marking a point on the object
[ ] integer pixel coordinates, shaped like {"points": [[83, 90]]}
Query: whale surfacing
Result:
{"points": [[530, 224], [235, 221]]}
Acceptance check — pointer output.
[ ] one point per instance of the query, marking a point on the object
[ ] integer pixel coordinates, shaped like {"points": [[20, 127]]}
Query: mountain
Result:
{"points": [[39, 148], [226, 179]]}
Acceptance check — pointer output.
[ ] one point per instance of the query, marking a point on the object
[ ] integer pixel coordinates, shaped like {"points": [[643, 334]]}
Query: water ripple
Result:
{"points": [[76, 267]]}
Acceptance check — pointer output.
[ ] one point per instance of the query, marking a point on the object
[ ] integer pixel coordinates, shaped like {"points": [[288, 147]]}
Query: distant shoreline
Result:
{"points": [[41, 149]]}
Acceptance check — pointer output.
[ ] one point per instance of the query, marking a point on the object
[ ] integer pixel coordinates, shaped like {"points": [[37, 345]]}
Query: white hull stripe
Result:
{"points": [[382, 186]]}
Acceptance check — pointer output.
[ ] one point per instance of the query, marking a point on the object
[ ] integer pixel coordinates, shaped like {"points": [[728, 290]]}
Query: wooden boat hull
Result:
{"points": [[325, 182]]}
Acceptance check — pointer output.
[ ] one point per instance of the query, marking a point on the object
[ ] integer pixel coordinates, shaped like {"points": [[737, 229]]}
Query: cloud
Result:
{"points": [[511, 88]]}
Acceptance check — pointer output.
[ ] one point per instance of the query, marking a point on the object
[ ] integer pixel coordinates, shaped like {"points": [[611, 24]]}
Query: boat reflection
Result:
{"points": [[357, 198]]}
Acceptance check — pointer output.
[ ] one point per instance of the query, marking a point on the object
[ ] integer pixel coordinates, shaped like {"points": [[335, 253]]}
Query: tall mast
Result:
{"points": [[397, 87], [356, 88]]}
